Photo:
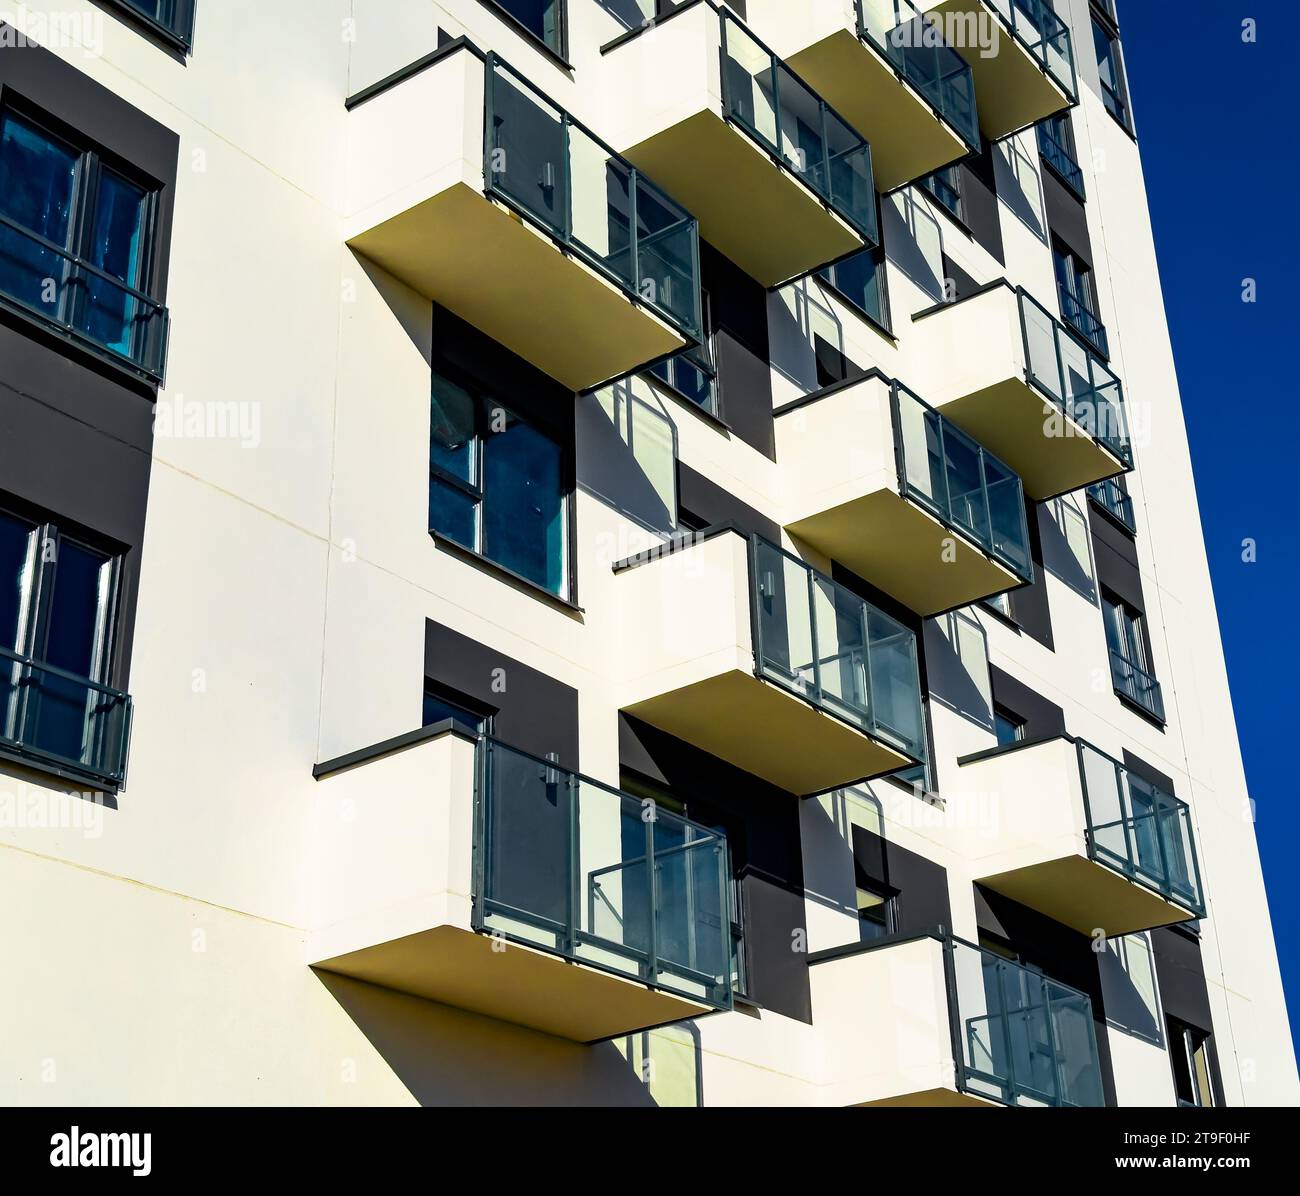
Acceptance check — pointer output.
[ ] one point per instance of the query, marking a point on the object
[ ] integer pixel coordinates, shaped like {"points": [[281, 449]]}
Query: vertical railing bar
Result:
{"points": [[652, 883], [812, 628]]}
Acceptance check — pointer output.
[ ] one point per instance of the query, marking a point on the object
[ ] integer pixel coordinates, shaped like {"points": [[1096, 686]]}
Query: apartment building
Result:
{"points": [[604, 552]]}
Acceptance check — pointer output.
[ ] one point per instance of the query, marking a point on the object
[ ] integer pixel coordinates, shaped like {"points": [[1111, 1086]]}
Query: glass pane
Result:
{"points": [[1041, 339], [523, 504], [529, 163], [116, 241], [451, 431], [602, 205], [861, 280], [894, 680], [749, 84], [17, 548], [841, 650], [540, 17], [918, 427], [666, 244], [1007, 514], [965, 484], [37, 180], [453, 513], [785, 620], [78, 613]]}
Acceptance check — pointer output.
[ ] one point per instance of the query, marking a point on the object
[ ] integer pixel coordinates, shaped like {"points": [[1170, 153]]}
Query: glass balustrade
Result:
{"points": [[1044, 35], [819, 640], [597, 205], [1112, 499], [600, 877], [54, 716]]}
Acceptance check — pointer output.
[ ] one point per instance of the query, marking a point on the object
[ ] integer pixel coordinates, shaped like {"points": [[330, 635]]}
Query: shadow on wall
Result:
{"points": [[914, 240], [627, 454], [1020, 186], [1128, 980], [409, 309], [446, 1056], [1067, 545], [957, 666], [797, 315]]}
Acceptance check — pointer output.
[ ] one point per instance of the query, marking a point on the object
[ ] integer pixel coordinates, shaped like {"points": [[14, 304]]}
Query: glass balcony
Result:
{"points": [[56, 718], [898, 30], [822, 642], [462, 175], [1139, 830], [785, 116], [1044, 36], [735, 646], [1074, 834], [1115, 502], [1075, 378], [883, 483], [962, 483], [456, 868], [554, 172], [1084, 321], [1137, 685], [780, 182], [1058, 156], [42, 281], [582, 870], [1026, 1040]]}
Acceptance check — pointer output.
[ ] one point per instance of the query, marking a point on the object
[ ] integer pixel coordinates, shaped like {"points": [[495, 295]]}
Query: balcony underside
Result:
{"points": [[1012, 420], [749, 207], [1012, 91], [529, 988], [906, 552], [771, 734], [933, 1098], [1086, 896], [484, 263], [908, 140]]}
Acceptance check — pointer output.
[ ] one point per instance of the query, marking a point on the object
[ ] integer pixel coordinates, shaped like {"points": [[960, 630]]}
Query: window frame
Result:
{"points": [[828, 276], [1080, 284], [946, 178], [1018, 723], [92, 161], [173, 37], [41, 578], [702, 357], [1185, 1041], [888, 903], [480, 716], [483, 402], [560, 51], [1114, 99]]}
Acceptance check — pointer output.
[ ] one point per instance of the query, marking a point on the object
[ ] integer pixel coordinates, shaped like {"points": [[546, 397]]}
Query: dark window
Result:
{"points": [[1009, 726], [694, 373], [498, 486], [860, 279], [877, 911], [944, 186], [76, 236], [1130, 655], [441, 704], [1189, 1055], [1110, 68], [544, 19], [1057, 147], [1078, 295], [173, 19], [58, 595]]}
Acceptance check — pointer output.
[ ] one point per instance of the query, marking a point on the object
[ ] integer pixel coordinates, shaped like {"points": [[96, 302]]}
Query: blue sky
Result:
{"points": [[1218, 148]]}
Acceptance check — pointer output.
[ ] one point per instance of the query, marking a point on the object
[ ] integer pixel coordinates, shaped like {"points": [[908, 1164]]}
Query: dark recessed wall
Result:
{"points": [[922, 885]]}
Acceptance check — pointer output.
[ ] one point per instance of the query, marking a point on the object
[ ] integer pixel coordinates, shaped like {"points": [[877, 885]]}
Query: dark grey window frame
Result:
{"points": [[1116, 101], [559, 53], [178, 37]]}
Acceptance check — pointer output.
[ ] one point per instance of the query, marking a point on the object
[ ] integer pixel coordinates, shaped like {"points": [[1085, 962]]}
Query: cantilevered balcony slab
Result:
{"points": [[1026, 74], [913, 101], [529, 236], [734, 646], [1002, 368], [779, 182], [529, 906], [883, 483], [934, 1022], [1073, 834]]}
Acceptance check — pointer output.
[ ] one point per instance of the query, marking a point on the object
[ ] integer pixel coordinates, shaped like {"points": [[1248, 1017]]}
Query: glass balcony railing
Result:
{"points": [[1140, 831], [573, 867], [82, 302], [562, 178], [1113, 500], [897, 30], [1044, 36], [55, 717], [960, 482], [1137, 685], [1074, 378], [1084, 321], [823, 643], [1059, 158], [790, 120], [1025, 1039]]}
